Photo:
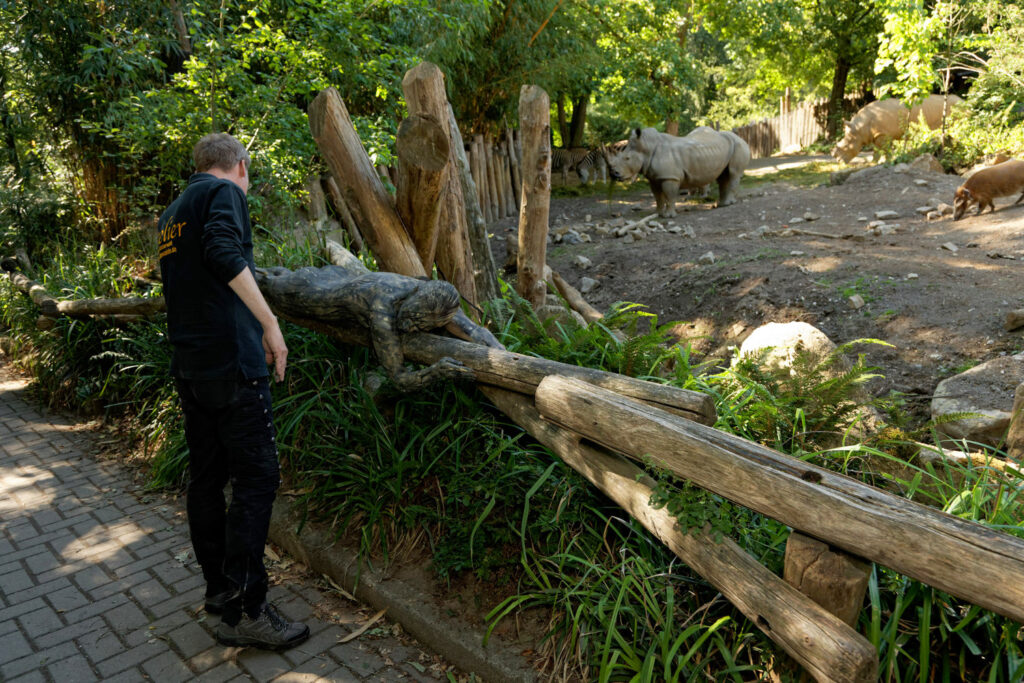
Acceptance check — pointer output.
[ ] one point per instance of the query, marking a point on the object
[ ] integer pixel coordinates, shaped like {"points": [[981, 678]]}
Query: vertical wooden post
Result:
{"points": [[484, 270], [492, 180], [506, 180], [422, 148], [535, 124], [316, 204], [832, 578], [423, 87], [513, 159], [485, 190]]}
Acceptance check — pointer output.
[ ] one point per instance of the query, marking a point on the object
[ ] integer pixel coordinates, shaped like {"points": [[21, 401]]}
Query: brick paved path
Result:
{"points": [[95, 583]]}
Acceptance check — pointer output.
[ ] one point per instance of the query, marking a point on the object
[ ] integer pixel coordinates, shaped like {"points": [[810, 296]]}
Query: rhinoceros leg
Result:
{"points": [[665, 193], [728, 183]]}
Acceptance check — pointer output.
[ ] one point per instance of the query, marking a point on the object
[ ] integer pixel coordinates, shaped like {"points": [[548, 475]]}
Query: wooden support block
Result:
{"points": [[832, 578]]}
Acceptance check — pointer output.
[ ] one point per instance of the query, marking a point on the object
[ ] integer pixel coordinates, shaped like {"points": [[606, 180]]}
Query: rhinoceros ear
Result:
{"points": [[636, 132]]}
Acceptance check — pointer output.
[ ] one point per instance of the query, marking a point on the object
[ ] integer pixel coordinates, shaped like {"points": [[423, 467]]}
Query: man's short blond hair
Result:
{"points": [[219, 150]]}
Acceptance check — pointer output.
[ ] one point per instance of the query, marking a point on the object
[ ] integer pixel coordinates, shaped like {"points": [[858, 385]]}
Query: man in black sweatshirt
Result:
{"points": [[224, 336]]}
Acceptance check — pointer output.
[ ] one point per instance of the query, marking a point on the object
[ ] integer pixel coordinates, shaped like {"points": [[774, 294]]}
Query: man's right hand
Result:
{"points": [[275, 350]]}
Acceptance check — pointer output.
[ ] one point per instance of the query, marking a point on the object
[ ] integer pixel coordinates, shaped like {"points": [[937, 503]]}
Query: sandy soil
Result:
{"points": [[938, 290]]}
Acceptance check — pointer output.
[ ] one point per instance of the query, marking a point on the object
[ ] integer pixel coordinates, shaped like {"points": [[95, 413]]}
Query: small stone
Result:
{"points": [[886, 229], [949, 246], [875, 224], [901, 168], [944, 209], [924, 210], [675, 230], [920, 182], [582, 261], [887, 214], [912, 276], [795, 220], [862, 219], [689, 232], [616, 214], [638, 234], [603, 230], [588, 284], [797, 253], [707, 258], [628, 239], [811, 217], [654, 225], [856, 301], [934, 215], [586, 218]]}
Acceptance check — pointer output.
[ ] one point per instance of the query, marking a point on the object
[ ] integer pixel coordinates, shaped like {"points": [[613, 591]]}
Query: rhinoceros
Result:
{"points": [[669, 162], [885, 120]]}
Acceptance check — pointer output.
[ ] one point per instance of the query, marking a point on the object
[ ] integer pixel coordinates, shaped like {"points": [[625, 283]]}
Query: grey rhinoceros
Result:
{"points": [[882, 121], [668, 162]]}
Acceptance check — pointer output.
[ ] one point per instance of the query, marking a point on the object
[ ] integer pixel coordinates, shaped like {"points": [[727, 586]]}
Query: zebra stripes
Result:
{"points": [[582, 160]]}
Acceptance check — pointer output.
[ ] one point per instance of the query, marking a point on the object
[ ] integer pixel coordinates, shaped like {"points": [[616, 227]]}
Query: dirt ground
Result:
{"points": [[937, 290]]}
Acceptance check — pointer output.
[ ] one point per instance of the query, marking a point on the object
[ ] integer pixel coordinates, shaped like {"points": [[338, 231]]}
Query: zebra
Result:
{"points": [[582, 160]]}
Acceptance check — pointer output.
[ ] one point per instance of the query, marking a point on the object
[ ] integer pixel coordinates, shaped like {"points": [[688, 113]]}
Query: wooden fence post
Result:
{"points": [[535, 124]]}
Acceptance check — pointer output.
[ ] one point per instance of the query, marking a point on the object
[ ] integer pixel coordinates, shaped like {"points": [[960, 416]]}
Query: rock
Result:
{"points": [[987, 390], [782, 341], [887, 229], [862, 219], [582, 261], [586, 218], [912, 276], [934, 216], [689, 232], [638, 234], [798, 253], [588, 284], [856, 301], [944, 209], [887, 214], [1014, 320], [926, 163], [617, 223], [921, 182], [794, 221], [554, 316], [924, 210], [675, 230], [628, 239], [707, 258], [603, 230], [949, 246], [810, 217], [901, 168], [571, 237]]}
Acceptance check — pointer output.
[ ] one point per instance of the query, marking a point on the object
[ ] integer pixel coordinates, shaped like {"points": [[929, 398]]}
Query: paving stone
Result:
{"points": [[67, 599], [75, 630], [39, 622], [130, 658], [227, 671], [16, 580], [37, 660], [357, 658], [74, 669], [101, 643], [30, 677], [15, 647], [191, 639], [168, 668]]}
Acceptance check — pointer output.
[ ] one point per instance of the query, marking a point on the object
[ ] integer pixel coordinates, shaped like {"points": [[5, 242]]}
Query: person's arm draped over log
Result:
{"points": [[388, 305]]}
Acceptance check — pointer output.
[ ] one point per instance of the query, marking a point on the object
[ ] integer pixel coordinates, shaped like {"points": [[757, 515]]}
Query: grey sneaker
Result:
{"points": [[268, 631]]}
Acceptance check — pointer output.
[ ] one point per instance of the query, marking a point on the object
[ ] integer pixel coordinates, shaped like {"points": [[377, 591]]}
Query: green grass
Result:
{"points": [[442, 473]]}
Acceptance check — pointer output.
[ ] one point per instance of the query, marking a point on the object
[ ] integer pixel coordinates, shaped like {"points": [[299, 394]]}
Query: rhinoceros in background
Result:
{"points": [[885, 120], [669, 162]]}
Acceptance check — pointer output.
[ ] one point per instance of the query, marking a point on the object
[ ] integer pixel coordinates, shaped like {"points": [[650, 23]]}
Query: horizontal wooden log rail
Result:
{"points": [[819, 641], [964, 558]]}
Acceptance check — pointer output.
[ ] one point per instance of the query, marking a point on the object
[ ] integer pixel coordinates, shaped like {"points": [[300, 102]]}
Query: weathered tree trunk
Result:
{"points": [[834, 122], [360, 185], [534, 122], [563, 124], [354, 236], [422, 147], [921, 542], [829, 649], [492, 180], [184, 42], [340, 256], [127, 306], [484, 270], [423, 87]]}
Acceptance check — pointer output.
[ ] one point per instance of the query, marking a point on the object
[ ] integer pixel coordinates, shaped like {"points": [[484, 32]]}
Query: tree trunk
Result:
{"points": [[513, 163], [672, 126], [354, 236], [360, 185], [423, 87], [563, 125], [422, 147], [835, 113], [829, 649], [578, 125], [485, 273], [534, 122], [919, 541]]}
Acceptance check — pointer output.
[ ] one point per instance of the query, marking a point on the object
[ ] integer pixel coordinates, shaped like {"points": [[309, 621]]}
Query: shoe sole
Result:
{"points": [[213, 609], [245, 641]]}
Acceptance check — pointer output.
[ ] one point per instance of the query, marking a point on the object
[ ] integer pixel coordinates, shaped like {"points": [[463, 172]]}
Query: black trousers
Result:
{"points": [[229, 428]]}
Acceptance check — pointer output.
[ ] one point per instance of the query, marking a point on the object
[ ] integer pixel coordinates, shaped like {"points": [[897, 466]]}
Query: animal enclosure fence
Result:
{"points": [[797, 128]]}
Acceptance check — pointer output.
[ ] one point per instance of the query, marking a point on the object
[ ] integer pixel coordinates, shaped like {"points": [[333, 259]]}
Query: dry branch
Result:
{"points": [[575, 299]]}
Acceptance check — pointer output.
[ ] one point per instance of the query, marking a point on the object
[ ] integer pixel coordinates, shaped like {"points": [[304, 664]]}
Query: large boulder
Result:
{"points": [[785, 340], [987, 390]]}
